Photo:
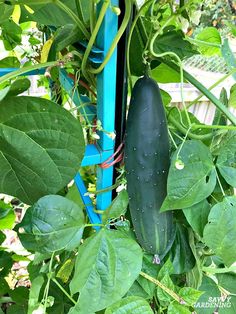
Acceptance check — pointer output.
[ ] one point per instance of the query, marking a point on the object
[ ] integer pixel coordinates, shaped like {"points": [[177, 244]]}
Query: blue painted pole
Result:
{"points": [[106, 91]]}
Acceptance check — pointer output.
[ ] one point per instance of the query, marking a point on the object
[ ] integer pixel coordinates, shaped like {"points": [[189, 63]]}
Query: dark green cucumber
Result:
{"points": [[147, 161]]}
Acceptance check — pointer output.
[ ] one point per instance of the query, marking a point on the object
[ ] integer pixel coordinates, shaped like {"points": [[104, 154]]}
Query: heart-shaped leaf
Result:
{"points": [[105, 270], [192, 176], [41, 147], [52, 224]]}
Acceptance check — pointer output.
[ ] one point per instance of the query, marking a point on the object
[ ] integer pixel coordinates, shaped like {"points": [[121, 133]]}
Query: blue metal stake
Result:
{"points": [[106, 91]]}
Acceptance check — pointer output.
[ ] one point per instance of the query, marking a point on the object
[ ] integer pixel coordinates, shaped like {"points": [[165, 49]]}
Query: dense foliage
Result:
{"points": [[72, 268]]}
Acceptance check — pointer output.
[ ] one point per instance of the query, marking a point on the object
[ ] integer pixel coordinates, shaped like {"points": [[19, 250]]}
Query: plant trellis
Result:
{"points": [[97, 153]]}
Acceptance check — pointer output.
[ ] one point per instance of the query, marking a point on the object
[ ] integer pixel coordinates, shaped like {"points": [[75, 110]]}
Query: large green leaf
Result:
{"points": [[197, 215], [220, 232], [105, 270], [194, 180], [6, 12], [52, 224], [164, 74], [41, 147], [130, 305], [48, 14], [174, 41], [209, 35], [226, 161]]}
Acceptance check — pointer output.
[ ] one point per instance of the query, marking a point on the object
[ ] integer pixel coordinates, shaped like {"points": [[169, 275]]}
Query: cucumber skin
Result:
{"points": [[147, 161]]}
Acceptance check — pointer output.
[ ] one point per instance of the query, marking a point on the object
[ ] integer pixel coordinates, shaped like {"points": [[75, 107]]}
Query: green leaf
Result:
{"points": [[41, 147], [17, 309], [166, 98], [181, 254], [209, 35], [9, 62], [52, 224], [228, 283], [7, 217], [143, 287], [194, 276], [4, 288], [204, 303], [105, 270], [6, 263], [195, 181], [220, 232], [226, 161], [48, 14], [117, 208], [197, 216], [19, 295], [11, 34], [219, 117], [174, 41], [232, 97], [65, 36], [130, 305], [6, 12], [66, 269], [229, 56], [189, 295], [2, 237], [164, 74], [19, 86], [161, 294], [176, 308], [36, 286], [166, 269], [4, 92]]}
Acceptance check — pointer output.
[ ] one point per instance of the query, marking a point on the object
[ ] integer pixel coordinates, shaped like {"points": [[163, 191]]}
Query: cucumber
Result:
{"points": [[147, 161]]}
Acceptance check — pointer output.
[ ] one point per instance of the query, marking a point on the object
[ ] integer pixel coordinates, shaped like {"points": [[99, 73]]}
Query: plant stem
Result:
{"points": [[174, 295], [213, 270], [73, 16], [204, 43], [221, 187], [204, 91], [130, 37], [205, 126], [212, 86], [93, 37], [128, 9], [63, 290], [27, 69], [183, 130], [94, 225]]}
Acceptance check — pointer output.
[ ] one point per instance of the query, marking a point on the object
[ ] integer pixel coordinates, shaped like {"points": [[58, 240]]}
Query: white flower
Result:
{"points": [[179, 164]]}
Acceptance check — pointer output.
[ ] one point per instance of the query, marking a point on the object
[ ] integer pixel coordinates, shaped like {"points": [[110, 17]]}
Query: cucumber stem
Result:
{"points": [[174, 295]]}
